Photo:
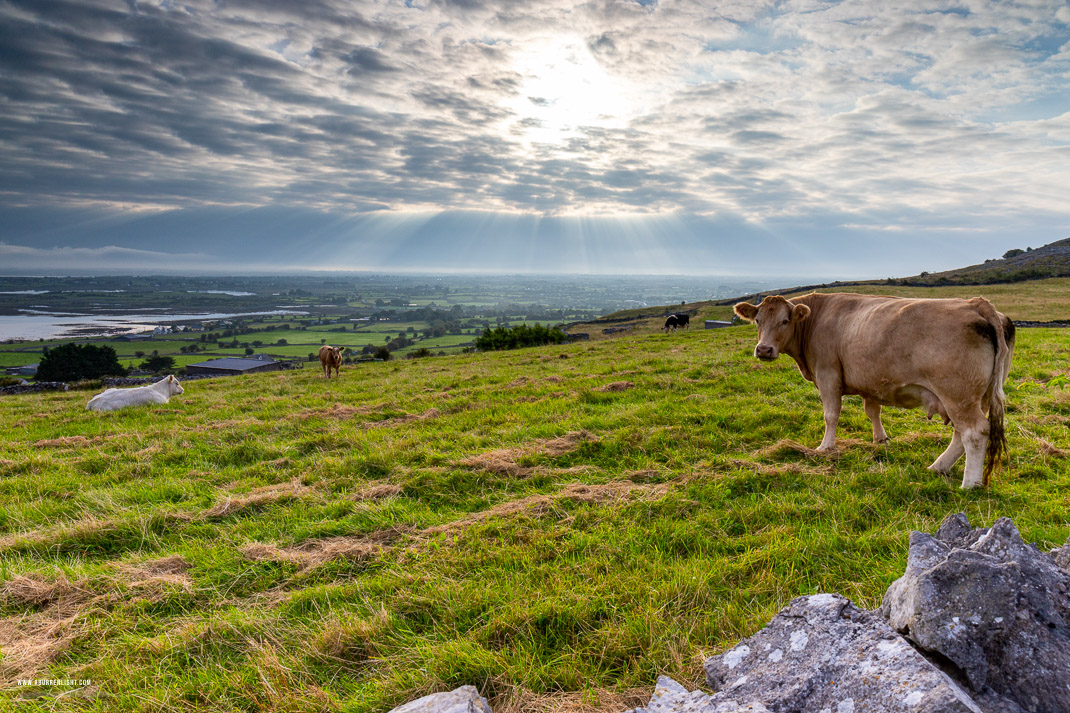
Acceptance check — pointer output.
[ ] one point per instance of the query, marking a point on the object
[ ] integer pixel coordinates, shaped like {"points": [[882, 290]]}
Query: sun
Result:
{"points": [[564, 88]]}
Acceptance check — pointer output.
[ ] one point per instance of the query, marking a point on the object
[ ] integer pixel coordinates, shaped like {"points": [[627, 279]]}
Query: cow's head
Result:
{"points": [[776, 319], [173, 386]]}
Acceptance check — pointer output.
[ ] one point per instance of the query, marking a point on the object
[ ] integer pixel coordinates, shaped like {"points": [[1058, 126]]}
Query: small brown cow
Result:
{"points": [[950, 356], [331, 357]]}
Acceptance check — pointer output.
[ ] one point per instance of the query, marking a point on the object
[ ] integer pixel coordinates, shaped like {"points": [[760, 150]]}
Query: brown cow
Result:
{"points": [[950, 356], [331, 357]]}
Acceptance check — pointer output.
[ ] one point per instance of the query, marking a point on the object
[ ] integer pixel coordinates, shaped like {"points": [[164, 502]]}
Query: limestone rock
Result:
{"points": [[1061, 555], [465, 699], [993, 610], [670, 697], [823, 654]]}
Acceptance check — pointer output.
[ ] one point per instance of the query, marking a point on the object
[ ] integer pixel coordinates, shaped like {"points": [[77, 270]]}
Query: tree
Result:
{"points": [[249, 350], [383, 353], [73, 362], [157, 363], [281, 343], [519, 336]]}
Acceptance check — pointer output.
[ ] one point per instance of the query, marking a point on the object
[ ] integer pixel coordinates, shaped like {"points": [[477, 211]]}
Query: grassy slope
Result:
{"points": [[1039, 300], [423, 524]]}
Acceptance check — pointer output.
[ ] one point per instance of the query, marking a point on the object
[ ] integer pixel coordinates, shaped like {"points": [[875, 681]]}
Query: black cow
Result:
{"points": [[683, 320], [671, 323]]}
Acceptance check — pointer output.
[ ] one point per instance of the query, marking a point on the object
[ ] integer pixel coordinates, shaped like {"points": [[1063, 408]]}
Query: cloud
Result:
{"points": [[856, 111]]}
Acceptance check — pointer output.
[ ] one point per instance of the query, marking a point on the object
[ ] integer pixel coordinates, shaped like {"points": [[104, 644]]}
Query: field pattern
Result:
{"points": [[556, 526]]}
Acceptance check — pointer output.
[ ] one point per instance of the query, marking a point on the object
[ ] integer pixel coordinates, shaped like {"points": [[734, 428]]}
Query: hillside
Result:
{"points": [[1032, 301], [556, 526], [1029, 285], [1051, 260]]}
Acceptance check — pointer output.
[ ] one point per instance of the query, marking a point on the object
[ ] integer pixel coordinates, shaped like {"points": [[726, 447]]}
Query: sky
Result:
{"points": [[861, 138]]}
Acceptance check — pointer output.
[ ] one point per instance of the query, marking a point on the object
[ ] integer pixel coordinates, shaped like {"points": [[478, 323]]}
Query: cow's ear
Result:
{"points": [[746, 310], [799, 313]]}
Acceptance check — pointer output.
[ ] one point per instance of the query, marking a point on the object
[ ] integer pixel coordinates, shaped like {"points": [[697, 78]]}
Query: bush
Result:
{"points": [[157, 363], [383, 353], [517, 337], [74, 362]]}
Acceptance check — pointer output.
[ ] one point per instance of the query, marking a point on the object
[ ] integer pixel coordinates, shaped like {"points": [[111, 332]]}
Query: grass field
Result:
{"points": [[556, 526]]}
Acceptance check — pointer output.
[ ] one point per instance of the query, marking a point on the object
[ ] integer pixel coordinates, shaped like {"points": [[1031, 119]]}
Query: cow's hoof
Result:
{"points": [[882, 441], [970, 486], [825, 450], [938, 470]]}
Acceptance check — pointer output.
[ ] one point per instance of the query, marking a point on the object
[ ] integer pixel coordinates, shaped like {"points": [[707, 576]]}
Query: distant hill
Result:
{"points": [[1018, 265], [1051, 260]]}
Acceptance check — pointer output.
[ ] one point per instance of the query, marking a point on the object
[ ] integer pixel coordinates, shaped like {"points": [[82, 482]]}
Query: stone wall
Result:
{"points": [[32, 387]]}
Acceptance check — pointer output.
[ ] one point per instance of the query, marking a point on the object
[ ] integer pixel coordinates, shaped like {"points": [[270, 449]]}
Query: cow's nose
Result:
{"points": [[765, 351]]}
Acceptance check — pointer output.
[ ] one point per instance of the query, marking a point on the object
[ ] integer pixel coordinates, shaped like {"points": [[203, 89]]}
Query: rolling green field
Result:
{"points": [[555, 526]]}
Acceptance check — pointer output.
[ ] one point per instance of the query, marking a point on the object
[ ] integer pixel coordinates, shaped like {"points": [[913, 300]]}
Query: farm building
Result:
{"points": [[718, 323], [233, 366], [28, 370]]}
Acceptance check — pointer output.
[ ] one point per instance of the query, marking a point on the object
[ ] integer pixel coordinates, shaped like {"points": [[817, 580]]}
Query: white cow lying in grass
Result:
{"points": [[114, 399]]}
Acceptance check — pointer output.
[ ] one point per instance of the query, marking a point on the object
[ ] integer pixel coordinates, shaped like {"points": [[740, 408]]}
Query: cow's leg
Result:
{"points": [[832, 402], [873, 410], [971, 428], [947, 459]]}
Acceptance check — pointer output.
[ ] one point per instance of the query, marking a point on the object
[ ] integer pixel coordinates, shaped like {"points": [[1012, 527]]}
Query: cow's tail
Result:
{"points": [[997, 400]]}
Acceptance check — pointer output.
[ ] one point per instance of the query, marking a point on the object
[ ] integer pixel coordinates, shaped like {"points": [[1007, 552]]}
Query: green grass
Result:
{"points": [[414, 525]]}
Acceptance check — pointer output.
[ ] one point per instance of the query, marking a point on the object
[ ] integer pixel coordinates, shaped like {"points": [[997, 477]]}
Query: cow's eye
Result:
{"points": [[784, 322]]}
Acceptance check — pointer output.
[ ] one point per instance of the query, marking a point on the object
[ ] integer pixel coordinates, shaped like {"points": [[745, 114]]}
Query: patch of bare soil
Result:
{"points": [[915, 437], [616, 386], [257, 496], [378, 491], [407, 418], [1050, 449], [504, 460], [57, 610], [341, 411], [554, 379], [786, 446], [599, 700], [67, 442], [612, 491], [781, 468], [313, 553]]}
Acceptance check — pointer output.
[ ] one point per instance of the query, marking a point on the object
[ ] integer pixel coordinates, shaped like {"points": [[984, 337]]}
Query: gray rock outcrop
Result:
{"points": [[823, 654], [670, 697], [992, 609], [978, 623], [465, 699], [1061, 555]]}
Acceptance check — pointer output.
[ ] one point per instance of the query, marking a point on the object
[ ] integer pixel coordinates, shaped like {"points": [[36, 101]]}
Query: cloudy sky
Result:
{"points": [[803, 137]]}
